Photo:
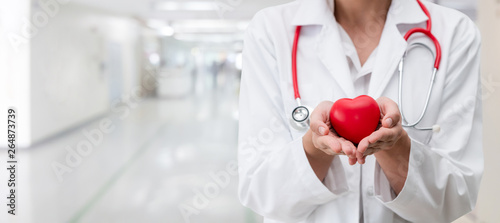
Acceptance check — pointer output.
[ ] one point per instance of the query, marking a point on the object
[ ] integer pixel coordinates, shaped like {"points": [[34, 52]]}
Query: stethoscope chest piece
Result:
{"points": [[300, 118], [300, 114]]}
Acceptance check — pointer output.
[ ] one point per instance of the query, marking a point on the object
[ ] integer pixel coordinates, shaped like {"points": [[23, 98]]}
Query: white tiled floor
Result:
{"points": [[146, 170]]}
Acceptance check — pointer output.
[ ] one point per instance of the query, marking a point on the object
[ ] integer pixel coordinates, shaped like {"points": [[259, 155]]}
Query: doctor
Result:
{"points": [[349, 48]]}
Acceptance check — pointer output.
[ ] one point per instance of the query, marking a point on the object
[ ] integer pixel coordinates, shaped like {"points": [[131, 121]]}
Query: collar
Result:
{"points": [[318, 12]]}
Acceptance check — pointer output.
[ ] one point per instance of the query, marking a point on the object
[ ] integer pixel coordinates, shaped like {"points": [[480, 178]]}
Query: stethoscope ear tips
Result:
{"points": [[436, 128]]}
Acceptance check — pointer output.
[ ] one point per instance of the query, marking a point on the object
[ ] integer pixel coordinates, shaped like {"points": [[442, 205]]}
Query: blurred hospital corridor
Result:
{"points": [[127, 110], [153, 166]]}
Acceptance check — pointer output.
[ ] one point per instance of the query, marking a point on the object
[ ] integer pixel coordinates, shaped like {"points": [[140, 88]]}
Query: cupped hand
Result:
{"points": [[324, 137], [390, 134]]}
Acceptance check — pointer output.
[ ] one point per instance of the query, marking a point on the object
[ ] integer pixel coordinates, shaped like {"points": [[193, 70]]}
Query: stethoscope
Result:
{"points": [[301, 113]]}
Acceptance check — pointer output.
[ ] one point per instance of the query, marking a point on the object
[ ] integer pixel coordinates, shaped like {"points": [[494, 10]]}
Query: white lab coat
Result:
{"points": [[445, 168]]}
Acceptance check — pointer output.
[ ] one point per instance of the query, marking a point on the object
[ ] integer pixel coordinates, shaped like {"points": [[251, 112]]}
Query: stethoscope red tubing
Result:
{"points": [[426, 32]]}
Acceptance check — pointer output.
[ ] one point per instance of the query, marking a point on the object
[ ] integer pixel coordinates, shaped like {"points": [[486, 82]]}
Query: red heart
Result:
{"points": [[355, 119]]}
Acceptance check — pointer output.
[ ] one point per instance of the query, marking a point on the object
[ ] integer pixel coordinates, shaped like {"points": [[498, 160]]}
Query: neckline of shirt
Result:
{"points": [[352, 55]]}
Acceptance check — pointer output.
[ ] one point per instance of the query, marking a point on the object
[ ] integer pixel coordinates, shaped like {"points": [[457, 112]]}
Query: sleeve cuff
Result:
{"points": [[335, 183]]}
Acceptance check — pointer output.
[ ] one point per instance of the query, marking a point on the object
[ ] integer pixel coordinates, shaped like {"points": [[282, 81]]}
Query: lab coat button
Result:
{"points": [[370, 191]]}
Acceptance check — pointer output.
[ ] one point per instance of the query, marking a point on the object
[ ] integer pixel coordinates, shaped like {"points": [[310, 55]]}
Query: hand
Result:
{"points": [[389, 136], [324, 137]]}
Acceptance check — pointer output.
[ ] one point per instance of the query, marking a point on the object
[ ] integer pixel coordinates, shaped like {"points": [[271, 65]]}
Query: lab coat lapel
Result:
{"points": [[328, 48], [392, 44], [331, 54], [391, 48]]}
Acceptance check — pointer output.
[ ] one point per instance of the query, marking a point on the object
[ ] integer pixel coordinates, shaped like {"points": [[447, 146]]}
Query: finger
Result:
{"points": [[390, 112], [352, 161], [322, 130], [335, 145], [320, 117], [348, 148], [362, 147], [371, 151], [321, 144], [328, 151], [384, 134], [370, 140], [363, 160], [377, 135], [329, 143]]}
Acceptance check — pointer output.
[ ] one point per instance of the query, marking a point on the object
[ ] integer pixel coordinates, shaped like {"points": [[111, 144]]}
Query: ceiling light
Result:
{"points": [[209, 26], [184, 6], [155, 24], [166, 31], [214, 38]]}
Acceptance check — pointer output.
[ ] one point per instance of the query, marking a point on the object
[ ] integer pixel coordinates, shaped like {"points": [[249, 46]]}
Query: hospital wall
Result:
{"points": [[14, 67], [75, 61], [80, 61], [489, 24]]}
